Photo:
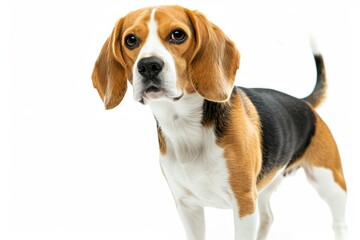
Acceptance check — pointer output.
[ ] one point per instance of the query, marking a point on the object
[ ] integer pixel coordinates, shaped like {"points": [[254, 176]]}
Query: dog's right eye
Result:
{"points": [[178, 36], [131, 41]]}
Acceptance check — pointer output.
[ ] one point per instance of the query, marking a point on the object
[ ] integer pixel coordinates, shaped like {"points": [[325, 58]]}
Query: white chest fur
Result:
{"points": [[194, 165]]}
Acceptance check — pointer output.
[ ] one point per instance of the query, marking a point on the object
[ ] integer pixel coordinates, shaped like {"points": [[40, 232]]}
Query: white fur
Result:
{"points": [[195, 167], [246, 228], [154, 47], [266, 216], [314, 45], [322, 180]]}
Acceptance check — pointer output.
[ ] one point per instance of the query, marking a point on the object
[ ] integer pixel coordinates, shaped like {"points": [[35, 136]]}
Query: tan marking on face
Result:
{"points": [[205, 62], [170, 18], [323, 152], [162, 142], [242, 152], [135, 23], [115, 62]]}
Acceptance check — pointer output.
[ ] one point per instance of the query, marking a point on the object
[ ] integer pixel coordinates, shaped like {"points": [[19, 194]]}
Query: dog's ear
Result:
{"points": [[109, 76], [215, 61]]}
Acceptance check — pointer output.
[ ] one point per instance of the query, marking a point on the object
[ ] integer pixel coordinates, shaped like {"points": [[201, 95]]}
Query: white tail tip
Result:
{"points": [[314, 45]]}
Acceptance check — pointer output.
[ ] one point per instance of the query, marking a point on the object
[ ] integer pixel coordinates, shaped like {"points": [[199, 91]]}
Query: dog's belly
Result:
{"points": [[200, 178]]}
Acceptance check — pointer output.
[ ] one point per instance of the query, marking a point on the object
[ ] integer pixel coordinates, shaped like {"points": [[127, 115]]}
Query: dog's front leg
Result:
{"points": [[193, 219], [246, 226]]}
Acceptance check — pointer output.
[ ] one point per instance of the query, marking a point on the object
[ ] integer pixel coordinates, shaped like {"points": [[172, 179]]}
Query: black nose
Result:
{"points": [[150, 67]]}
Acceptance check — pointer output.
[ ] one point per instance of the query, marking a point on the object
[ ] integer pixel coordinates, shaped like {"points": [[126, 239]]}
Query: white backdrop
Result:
{"points": [[71, 170]]}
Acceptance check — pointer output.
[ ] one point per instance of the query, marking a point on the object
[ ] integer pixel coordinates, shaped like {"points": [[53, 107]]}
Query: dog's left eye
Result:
{"points": [[178, 36], [131, 41]]}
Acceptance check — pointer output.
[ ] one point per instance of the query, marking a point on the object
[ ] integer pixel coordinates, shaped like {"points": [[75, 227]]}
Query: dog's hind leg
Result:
{"points": [[323, 181], [323, 169]]}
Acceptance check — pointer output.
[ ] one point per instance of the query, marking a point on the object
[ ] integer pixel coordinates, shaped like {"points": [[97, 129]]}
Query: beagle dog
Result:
{"points": [[220, 145]]}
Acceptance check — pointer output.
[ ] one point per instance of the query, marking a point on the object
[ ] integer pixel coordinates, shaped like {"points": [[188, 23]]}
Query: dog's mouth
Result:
{"points": [[157, 93], [154, 92], [153, 89]]}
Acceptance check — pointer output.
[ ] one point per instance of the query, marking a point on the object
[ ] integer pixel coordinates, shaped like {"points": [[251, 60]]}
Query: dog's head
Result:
{"points": [[165, 52]]}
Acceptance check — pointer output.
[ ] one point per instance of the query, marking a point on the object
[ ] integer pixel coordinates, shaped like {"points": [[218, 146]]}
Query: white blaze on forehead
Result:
{"points": [[153, 45]]}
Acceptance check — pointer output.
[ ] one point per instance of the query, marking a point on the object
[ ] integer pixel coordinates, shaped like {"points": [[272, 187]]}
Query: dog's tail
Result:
{"points": [[319, 93]]}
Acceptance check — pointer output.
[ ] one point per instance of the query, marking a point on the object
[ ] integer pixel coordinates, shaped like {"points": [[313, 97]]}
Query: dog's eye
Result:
{"points": [[178, 36], [131, 41]]}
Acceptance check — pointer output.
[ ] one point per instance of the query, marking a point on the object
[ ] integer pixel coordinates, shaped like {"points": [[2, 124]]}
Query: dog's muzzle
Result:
{"points": [[150, 68]]}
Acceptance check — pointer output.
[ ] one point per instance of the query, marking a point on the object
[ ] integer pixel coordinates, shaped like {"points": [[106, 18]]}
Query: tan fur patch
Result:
{"points": [[267, 179], [242, 148], [169, 19], [323, 152], [215, 60], [162, 142], [135, 23], [115, 62], [109, 75]]}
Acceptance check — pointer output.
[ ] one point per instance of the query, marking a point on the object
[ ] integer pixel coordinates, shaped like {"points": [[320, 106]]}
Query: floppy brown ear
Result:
{"points": [[109, 76], [215, 60]]}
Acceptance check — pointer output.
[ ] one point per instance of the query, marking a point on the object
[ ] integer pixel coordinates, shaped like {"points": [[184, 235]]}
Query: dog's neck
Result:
{"points": [[181, 123], [191, 124], [183, 117]]}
